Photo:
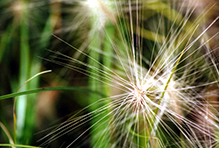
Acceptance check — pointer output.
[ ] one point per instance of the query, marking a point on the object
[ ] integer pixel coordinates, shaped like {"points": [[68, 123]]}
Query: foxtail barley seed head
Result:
{"points": [[162, 69]]}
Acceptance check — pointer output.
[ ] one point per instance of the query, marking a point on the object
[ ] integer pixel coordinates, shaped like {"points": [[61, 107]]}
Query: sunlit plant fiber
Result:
{"points": [[151, 70], [162, 70]]}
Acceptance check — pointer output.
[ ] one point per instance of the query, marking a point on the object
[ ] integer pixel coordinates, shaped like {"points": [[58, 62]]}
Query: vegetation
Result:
{"points": [[108, 73]]}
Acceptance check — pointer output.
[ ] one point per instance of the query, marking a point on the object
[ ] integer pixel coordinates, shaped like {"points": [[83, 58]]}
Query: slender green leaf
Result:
{"points": [[49, 89]]}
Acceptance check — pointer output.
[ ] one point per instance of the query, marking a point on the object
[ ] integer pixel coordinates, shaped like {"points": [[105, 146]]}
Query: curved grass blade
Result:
{"points": [[48, 89], [19, 145]]}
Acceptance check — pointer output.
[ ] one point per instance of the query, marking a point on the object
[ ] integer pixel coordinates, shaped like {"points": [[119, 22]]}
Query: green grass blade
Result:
{"points": [[19, 145], [21, 103], [5, 39], [50, 89]]}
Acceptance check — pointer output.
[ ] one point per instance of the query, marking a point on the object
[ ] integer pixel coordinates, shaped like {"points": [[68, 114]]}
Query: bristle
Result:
{"points": [[162, 68]]}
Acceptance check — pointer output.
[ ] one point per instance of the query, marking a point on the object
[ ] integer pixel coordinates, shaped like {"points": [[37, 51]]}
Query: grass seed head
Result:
{"points": [[160, 77]]}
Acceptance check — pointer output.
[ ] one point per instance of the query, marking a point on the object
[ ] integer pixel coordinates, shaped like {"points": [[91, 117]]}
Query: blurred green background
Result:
{"points": [[27, 29]]}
